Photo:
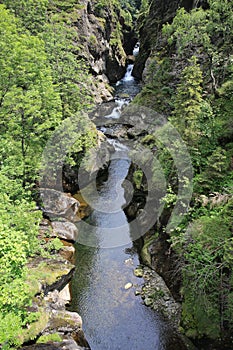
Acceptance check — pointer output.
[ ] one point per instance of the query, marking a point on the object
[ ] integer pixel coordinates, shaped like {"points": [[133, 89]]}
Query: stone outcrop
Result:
{"points": [[75, 177], [52, 294], [156, 294], [160, 13], [105, 48]]}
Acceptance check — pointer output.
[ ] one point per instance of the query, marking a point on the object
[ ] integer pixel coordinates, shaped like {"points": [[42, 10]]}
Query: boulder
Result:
{"points": [[64, 345], [65, 230], [63, 321], [67, 252], [156, 295], [59, 204], [64, 294]]}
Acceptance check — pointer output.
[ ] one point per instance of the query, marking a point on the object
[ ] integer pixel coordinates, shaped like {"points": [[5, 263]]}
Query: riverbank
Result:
{"points": [[49, 276]]}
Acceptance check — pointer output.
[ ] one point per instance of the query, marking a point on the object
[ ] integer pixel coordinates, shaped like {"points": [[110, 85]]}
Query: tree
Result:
{"points": [[33, 13], [18, 240], [188, 102], [70, 74], [207, 276], [30, 108], [188, 31]]}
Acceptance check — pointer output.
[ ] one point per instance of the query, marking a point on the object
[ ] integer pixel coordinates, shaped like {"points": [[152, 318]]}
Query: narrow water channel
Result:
{"points": [[113, 316]]}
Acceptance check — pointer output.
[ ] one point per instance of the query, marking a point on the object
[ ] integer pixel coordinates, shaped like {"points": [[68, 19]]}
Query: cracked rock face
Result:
{"points": [[94, 33]]}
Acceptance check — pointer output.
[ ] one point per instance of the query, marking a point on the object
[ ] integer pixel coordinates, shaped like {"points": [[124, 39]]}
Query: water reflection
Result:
{"points": [[113, 317]]}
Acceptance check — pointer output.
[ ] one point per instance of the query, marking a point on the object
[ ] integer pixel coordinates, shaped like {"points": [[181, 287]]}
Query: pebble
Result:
{"points": [[129, 261], [148, 301], [128, 285], [138, 272]]}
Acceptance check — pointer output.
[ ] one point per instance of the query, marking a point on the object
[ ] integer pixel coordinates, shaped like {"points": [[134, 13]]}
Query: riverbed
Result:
{"points": [[105, 291]]}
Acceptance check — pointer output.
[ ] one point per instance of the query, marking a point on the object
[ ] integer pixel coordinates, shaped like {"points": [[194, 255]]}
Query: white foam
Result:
{"points": [[136, 49], [128, 75]]}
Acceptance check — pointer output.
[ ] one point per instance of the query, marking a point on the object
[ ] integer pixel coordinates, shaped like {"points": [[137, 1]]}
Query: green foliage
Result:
{"points": [[212, 178], [41, 83], [220, 23], [189, 79], [188, 103], [143, 13], [10, 326], [224, 111], [157, 93], [70, 75], [55, 337], [54, 245], [206, 247], [18, 240], [137, 178], [29, 107], [188, 30], [28, 10], [170, 199]]}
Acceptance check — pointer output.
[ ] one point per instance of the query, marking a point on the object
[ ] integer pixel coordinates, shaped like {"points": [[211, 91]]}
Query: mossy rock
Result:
{"points": [[64, 321], [145, 255], [45, 272], [138, 272], [35, 328], [54, 337]]}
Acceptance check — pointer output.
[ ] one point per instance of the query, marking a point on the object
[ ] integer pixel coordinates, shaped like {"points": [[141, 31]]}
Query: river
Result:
{"points": [[113, 316]]}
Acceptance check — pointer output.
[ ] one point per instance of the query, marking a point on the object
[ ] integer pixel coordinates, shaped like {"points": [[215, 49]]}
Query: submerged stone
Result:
{"points": [[138, 272], [128, 285]]}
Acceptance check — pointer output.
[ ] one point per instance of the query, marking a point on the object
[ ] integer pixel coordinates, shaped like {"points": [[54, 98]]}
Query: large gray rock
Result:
{"points": [[64, 321], [65, 345], [59, 204], [65, 230]]}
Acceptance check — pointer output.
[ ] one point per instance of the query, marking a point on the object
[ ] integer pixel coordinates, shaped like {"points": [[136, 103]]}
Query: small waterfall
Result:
{"points": [[113, 318], [116, 112], [128, 75], [136, 49], [126, 89], [118, 146]]}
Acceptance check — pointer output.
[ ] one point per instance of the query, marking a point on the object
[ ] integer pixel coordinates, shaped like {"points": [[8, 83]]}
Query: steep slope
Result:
{"points": [[186, 63], [160, 12]]}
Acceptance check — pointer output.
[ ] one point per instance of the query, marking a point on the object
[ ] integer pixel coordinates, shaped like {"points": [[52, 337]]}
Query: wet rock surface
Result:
{"points": [[65, 230], [156, 294], [107, 61]]}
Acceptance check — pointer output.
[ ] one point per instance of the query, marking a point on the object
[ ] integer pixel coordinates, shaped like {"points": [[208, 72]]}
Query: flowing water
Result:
{"points": [[113, 317]]}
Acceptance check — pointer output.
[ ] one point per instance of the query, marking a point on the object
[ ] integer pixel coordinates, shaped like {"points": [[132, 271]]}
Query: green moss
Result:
{"points": [[55, 337], [54, 245], [137, 178], [145, 255], [46, 272], [35, 328], [157, 294], [93, 40], [102, 22]]}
